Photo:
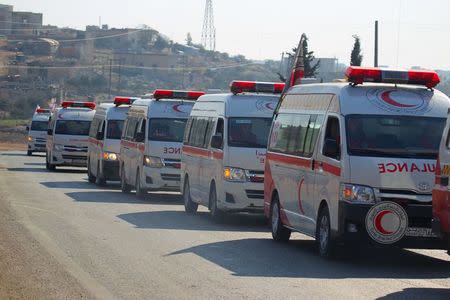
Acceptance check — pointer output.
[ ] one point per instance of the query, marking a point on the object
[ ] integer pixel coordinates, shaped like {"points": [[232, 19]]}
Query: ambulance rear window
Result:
{"points": [[394, 136], [39, 126]]}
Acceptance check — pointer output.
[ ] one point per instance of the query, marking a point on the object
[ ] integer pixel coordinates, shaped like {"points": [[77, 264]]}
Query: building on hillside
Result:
{"points": [[6, 12], [40, 46], [26, 23]]}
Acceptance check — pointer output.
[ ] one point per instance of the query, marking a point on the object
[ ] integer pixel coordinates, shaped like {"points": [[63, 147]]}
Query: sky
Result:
{"points": [[412, 32]]}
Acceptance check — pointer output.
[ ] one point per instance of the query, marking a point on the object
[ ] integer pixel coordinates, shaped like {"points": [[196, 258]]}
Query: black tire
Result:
{"points": [[125, 187], [216, 213], [279, 232], [101, 181], [47, 164], [140, 192], [91, 178], [325, 244], [29, 152], [189, 206]]}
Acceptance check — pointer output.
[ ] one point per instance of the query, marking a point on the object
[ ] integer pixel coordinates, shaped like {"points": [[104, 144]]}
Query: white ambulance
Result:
{"points": [[37, 131], [150, 149], [355, 161], [68, 134], [104, 140], [224, 148]]}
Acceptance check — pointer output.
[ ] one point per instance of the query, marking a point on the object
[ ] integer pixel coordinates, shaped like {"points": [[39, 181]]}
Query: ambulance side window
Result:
{"points": [[332, 141], [93, 128], [187, 131], [209, 132]]}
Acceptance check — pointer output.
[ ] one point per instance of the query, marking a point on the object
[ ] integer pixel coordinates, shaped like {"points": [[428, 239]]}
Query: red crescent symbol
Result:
{"points": [[300, 196], [177, 108], [377, 222], [386, 97], [269, 106]]}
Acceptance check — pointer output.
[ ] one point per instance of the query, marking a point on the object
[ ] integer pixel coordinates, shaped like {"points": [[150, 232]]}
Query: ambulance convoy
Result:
{"points": [[340, 162], [37, 131]]}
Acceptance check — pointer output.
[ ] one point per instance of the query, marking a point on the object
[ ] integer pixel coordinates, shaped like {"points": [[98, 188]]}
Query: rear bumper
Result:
{"points": [[352, 228]]}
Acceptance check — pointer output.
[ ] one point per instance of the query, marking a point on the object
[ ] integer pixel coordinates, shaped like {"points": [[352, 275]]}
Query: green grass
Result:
{"points": [[13, 123]]}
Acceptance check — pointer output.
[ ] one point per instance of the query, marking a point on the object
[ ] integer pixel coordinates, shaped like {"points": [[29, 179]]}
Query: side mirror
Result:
{"points": [[140, 137], [217, 141], [50, 131], [100, 136], [331, 149], [27, 128]]}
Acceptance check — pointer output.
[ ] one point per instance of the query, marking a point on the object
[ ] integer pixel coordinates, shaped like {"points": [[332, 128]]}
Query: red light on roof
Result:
{"points": [[296, 77], [238, 87], [172, 94], [74, 104], [123, 101], [359, 75], [42, 111]]}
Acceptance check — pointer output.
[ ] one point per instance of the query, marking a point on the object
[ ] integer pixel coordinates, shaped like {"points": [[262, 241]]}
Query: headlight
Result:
{"points": [[30, 139], [357, 193], [153, 162], [59, 147], [234, 174], [110, 156]]}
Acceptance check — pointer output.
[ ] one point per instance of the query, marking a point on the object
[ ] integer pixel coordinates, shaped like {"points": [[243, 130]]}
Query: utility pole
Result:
{"points": [[209, 31], [376, 45], [110, 77]]}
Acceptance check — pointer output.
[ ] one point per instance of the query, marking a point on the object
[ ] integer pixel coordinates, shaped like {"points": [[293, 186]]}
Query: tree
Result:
{"points": [[189, 39], [308, 59], [356, 56]]}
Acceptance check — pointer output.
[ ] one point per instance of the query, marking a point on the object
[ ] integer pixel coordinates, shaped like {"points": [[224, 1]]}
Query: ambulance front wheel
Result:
{"points": [[324, 240], [91, 177], [216, 213], [125, 187], [49, 166], [29, 152], [189, 206], [279, 232], [140, 192], [100, 180]]}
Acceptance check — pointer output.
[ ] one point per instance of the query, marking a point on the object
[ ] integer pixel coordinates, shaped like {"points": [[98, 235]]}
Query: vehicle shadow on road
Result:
{"points": [[15, 154], [34, 164], [83, 185], [179, 220], [298, 259], [119, 197], [43, 170], [418, 293]]}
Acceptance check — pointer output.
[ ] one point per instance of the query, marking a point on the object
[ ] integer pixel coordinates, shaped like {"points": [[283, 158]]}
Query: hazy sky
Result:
{"points": [[412, 32]]}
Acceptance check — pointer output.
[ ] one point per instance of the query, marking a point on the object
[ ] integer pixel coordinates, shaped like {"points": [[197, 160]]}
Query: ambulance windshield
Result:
{"points": [[166, 130], [114, 131], [394, 136], [248, 132], [39, 126], [72, 127]]}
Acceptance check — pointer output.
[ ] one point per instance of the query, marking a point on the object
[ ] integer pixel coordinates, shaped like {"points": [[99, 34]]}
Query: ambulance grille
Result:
{"points": [[403, 192], [255, 194], [171, 177]]}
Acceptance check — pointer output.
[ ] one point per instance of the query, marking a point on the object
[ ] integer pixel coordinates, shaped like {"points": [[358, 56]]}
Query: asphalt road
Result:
{"points": [[117, 246]]}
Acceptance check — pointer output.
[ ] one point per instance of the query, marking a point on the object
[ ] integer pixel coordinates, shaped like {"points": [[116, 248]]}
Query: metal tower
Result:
{"points": [[209, 31]]}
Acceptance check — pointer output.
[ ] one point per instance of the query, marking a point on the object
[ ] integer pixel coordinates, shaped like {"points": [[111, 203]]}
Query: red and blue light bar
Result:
{"points": [[173, 94], [359, 75], [238, 87], [75, 104], [118, 101]]}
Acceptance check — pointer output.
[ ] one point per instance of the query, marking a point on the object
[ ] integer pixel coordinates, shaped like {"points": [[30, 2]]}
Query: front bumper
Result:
{"points": [[352, 228], [37, 147], [242, 196], [163, 179], [69, 159], [110, 170]]}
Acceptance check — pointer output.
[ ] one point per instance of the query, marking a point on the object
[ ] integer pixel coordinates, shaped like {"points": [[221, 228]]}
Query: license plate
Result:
{"points": [[420, 232]]}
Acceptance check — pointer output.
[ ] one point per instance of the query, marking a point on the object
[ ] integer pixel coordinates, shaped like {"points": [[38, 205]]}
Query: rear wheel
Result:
{"points": [[101, 181], [29, 152], [47, 164], [140, 192], [216, 213], [324, 240], [91, 177], [123, 183], [189, 206], [279, 232]]}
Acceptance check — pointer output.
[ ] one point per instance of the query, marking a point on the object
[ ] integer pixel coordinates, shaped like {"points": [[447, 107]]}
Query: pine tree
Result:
{"points": [[356, 56]]}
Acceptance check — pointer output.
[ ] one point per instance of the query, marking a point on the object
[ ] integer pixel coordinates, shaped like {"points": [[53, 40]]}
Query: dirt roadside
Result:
{"points": [[27, 270]]}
